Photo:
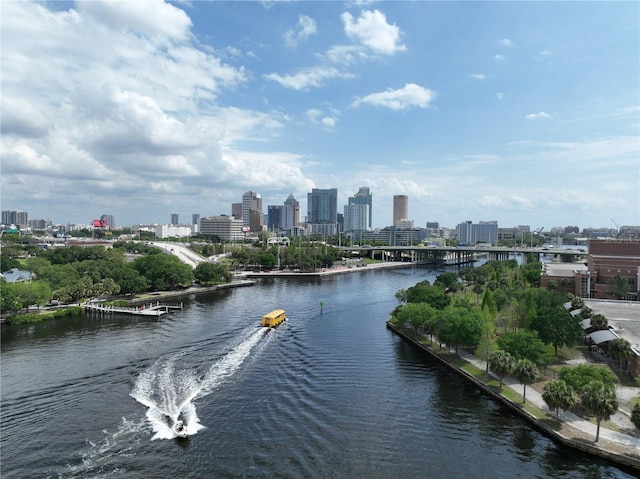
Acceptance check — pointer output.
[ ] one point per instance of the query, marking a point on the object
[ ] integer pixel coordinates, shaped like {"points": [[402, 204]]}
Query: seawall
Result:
{"points": [[629, 459]]}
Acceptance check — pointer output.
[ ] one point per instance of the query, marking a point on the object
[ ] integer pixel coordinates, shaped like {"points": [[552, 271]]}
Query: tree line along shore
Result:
{"points": [[494, 322]]}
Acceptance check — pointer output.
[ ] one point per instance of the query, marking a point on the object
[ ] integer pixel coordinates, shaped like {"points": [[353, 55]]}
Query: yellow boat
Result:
{"points": [[274, 318]]}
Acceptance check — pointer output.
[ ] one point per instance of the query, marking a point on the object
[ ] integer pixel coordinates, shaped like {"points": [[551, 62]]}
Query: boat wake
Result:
{"points": [[169, 392]]}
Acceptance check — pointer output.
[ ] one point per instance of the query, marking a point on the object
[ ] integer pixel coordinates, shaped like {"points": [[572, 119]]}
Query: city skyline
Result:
{"points": [[519, 112]]}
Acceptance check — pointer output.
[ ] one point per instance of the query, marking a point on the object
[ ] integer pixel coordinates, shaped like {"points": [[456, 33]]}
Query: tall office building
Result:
{"points": [[400, 208], [174, 219], [291, 213], [236, 210], [251, 201], [274, 218], [110, 219], [363, 197], [356, 217], [195, 218], [322, 210]]}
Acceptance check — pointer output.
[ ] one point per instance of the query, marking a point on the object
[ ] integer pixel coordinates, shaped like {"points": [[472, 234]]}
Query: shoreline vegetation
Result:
{"points": [[624, 454]]}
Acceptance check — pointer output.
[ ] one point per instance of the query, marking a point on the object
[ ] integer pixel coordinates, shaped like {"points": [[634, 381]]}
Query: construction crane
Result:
{"points": [[614, 222]]}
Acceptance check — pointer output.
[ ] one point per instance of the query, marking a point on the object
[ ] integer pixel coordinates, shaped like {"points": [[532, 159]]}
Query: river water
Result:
{"points": [[330, 393]]}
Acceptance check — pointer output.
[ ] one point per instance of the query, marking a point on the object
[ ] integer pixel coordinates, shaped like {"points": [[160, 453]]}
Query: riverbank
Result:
{"points": [[622, 449]]}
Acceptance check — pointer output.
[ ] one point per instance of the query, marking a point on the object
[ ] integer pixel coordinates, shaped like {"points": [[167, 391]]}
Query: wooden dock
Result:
{"points": [[152, 309]]}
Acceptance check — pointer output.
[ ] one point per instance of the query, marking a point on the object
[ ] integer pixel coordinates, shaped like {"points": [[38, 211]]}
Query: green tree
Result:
{"points": [[164, 271], [459, 325], [579, 376], [525, 344], [558, 395], [501, 363], [599, 322], [9, 300], [210, 273], [600, 400], [447, 281], [32, 293], [425, 293], [417, 314], [556, 326], [7, 263], [525, 372], [620, 349], [618, 286]]}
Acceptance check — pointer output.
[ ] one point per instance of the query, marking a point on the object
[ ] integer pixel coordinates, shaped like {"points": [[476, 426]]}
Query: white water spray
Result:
{"points": [[169, 393]]}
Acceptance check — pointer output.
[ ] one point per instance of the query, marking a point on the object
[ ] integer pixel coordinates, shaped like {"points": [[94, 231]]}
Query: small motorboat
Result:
{"points": [[180, 429]]}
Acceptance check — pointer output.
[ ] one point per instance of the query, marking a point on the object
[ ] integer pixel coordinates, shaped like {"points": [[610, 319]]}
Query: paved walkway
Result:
{"points": [[572, 420]]}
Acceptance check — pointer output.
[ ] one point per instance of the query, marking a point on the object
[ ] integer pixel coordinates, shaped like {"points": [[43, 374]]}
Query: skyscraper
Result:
{"points": [[252, 202], [174, 219], [110, 219], [291, 213], [322, 210], [400, 208], [356, 217], [363, 197]]}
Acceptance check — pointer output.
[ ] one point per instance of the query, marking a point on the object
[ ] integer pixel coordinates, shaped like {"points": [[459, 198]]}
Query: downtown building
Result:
{"points": [[284, 218], [322, 211], [226, 228], [252, 215], [17, 218], [482, 232]]}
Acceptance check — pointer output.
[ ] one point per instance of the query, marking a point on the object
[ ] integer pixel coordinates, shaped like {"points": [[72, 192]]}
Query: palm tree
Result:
{"points": [[620, 349], [501, 363], [558, 395], [600, 400], [526, 372]]}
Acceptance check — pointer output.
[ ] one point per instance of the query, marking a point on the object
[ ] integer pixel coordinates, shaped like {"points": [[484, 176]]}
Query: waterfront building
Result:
{"points": [[482, 232], [400, 208], [362, 197], [609, 258], [227, 228]]}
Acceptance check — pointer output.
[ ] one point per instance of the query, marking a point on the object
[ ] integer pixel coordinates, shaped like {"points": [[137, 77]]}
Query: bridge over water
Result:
{"points": [[463, 254]]}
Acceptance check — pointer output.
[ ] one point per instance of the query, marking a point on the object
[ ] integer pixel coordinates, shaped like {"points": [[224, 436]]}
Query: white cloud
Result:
{"points": [[499, 95], [372, 30], [305, 28], [154, 19], [538, 116], [312, 77], [506, 42], [317, 116], [411, 95], [120, 90], [478, 76], [499, 58]]}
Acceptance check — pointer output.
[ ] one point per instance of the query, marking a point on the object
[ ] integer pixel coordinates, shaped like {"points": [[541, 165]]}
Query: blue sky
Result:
{"points": [[520, 112]]}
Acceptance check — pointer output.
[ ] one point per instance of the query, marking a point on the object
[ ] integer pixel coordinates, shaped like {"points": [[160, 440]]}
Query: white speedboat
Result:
{"points": [[180, 429]]}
